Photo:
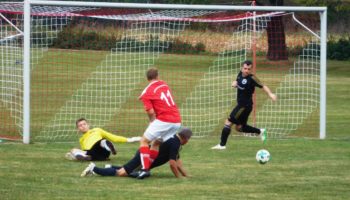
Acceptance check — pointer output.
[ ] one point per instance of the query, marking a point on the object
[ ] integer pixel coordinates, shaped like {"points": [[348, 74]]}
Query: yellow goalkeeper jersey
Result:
{"points": [[94, 135]]}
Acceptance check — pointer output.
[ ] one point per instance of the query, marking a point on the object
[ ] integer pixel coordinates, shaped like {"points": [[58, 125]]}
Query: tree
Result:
{"points": [[277, 48]]}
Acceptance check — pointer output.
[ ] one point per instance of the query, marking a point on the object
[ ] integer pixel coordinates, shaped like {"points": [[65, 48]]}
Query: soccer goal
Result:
{"points": [[60, 61]]}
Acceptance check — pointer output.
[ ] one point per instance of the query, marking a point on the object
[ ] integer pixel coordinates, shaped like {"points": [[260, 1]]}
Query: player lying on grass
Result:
{"points": [[96, 143], [168, 151]]}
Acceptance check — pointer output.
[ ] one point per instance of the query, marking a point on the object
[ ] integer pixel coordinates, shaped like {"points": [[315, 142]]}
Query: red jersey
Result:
{"points": [[157, 96]]}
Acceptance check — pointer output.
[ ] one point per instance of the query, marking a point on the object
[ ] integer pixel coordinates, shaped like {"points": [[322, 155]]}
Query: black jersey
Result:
{"points": [[246, 87], [168, 150]]}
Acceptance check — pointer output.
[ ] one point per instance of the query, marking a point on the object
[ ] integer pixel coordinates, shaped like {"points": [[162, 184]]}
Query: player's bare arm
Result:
{"points": [[174, 168], [268, 92], [181, 168], [151, 114]]}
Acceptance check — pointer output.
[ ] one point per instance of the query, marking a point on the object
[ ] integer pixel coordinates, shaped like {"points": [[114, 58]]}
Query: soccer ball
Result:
{"points": [[262, 156]]}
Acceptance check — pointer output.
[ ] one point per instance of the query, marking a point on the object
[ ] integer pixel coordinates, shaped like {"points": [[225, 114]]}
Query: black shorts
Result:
{"points": [[240, 114], [97, 152], [133, 164]]}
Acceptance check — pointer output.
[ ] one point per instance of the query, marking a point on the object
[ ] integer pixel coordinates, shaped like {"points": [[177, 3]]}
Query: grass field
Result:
{"points": [[299, 169]]}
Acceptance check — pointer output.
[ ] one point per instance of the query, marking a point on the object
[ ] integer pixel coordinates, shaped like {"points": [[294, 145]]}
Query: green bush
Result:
{"points": [[339, 49], [200, 47], [295, 51], [181, 47], [92, 40]]}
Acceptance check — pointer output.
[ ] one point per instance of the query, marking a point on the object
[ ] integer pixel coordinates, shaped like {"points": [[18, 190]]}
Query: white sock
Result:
{"points": [[103, 144], [77, 152]]}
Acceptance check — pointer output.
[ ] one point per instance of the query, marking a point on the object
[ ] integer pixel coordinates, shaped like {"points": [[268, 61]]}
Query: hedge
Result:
{"points": [[338, 49], [91, 40]]}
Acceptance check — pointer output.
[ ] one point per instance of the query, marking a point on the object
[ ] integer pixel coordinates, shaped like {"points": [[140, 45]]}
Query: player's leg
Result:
{"points": [[78, 154], [70, 155], [88, 170], [224, 136], [165, 131], [126, 170], [106, 144], [98, 153], [92, 169], [122, 172], [154, 150], [243, 119], [157, 129], [133, 166], [226, 131], [151, 134], [110, 171], [245, 128], [248, 129], [145, 152]]}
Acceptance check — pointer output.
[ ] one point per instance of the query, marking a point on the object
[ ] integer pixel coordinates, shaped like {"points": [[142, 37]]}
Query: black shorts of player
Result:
{"points": [[97, 152], [240, 114], [133, 164]]}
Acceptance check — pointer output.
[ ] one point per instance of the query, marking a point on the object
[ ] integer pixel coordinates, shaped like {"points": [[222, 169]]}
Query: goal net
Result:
{"points": [[91, 62]]}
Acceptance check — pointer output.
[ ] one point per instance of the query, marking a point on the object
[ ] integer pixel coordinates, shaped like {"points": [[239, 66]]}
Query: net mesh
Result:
{"points": [[198, 52]]}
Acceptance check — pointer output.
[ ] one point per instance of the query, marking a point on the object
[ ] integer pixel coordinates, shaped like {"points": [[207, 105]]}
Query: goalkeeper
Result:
{"points": [[168, 151], [96, 143], [245, 84]]}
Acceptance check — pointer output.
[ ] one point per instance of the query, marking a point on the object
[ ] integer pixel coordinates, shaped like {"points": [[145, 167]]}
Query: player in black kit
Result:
{"points": [[168, 151], [245, 84]]}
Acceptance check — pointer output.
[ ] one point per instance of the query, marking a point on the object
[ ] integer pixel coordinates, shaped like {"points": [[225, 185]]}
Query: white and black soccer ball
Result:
{"points": [[262, 156]]}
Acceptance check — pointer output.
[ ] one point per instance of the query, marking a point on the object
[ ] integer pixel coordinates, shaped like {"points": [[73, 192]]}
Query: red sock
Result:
{"points": [[145, 157], [153, 154]]}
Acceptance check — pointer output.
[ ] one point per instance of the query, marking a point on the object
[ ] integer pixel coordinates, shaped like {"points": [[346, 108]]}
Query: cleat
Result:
{"points": [[134, 174], [263, 135], [219, 147], [111, 147], [88, 170], [70, 156], [143, 174]]}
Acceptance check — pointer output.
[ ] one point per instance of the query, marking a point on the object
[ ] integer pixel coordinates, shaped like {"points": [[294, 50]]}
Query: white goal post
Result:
{"points": [[301, 85]]}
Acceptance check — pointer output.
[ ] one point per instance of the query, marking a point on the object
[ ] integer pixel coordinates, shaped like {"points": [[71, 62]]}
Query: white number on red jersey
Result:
{"points": [[167, 98]]}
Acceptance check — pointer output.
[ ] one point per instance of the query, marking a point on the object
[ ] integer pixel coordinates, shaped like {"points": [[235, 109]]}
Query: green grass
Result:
{"points": [[338, 83], [299, 169]]}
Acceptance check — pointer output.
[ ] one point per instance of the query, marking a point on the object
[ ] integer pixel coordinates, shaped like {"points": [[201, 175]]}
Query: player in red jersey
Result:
{"points": [[164, 117]]}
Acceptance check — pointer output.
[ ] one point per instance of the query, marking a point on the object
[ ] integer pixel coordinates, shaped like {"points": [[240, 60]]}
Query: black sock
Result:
{"points": [[105, 171], [250, 129], [224, 135]]}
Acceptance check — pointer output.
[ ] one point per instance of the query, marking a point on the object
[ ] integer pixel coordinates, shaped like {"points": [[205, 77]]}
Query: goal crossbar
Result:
{"points": [[176, 6]]}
